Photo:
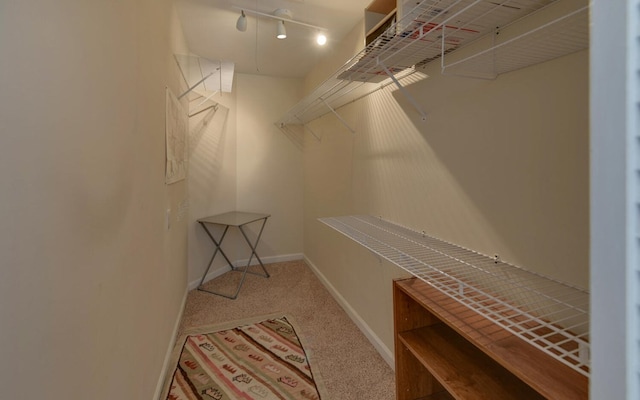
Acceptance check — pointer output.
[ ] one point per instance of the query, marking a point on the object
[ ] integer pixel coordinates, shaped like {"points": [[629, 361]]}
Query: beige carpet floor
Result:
{"points": [[348, 365]]}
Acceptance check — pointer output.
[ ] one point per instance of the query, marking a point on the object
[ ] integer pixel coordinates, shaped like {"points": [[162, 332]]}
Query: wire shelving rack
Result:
{"points": [[550, 315], [436, 28]]}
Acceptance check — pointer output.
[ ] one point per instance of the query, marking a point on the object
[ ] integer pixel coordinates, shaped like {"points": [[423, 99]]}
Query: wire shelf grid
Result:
{"points": [[550, 315], [429, 31], [418, 37], [561, 36]]}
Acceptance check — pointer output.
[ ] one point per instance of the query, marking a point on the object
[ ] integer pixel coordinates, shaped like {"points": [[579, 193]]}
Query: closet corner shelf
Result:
{"points": [[550, 315], [434, 29]]}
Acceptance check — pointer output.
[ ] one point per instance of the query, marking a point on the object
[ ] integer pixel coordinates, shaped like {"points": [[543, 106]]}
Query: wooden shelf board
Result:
{"points": [[461, 368], [438, 396], [542, 372], [381, 6], [382, 22]]}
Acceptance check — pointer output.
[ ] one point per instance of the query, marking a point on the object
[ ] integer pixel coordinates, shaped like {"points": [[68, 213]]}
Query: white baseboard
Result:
{"points": [[271, 259], [211, 275], [384, 351], [241, 263], [172, 343]]}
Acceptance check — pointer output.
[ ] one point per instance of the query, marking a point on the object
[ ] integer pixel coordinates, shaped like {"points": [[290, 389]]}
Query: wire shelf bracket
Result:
{"points": [[204, 79], [404, 91], [337, 116], [550, 315], [195, 85]]}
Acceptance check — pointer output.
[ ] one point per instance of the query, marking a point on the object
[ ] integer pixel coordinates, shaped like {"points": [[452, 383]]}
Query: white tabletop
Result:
{"points": [[234, 218]]}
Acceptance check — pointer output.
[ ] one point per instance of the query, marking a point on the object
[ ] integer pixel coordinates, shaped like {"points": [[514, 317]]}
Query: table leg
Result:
{"points": [[245, 270], [253, 249], [218, 244], [215, 253]]}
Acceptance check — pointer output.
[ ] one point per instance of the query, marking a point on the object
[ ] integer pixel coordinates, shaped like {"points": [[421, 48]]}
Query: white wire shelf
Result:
{"points": [[550, 315], [564, 35], [433, 29], [206, 77]]}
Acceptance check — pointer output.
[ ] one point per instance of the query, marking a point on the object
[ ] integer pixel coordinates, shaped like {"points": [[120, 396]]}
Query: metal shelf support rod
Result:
{"points": [[338, 116], [404, 91], [194, 86], [207, 98], [215, 108], [304, 126]]}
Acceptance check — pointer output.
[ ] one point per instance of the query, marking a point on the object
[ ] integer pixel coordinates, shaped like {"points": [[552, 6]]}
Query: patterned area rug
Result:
{"points": [[263, 360]]}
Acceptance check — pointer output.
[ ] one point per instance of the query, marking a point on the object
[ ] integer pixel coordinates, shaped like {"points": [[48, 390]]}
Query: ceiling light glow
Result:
{"points": [[321, 39], [282, 32]]}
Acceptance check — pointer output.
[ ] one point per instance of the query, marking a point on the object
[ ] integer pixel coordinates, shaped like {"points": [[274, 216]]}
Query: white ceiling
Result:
{"points": [[210, 30]]}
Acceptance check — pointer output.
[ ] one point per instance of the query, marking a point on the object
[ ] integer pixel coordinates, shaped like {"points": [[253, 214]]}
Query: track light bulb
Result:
{"points": [[282, 32], [241, 25], [321, 39]]}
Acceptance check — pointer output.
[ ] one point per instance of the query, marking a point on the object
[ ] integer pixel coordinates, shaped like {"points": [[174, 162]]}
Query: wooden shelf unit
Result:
{"points": [[444, 350]]}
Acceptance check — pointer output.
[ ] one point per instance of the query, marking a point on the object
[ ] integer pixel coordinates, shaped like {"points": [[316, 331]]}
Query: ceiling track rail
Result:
{"points": [[478, 38], [550, 315]]}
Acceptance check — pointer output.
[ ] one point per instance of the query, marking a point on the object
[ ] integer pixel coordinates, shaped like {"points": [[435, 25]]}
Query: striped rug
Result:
{"points": [[263, 360]]}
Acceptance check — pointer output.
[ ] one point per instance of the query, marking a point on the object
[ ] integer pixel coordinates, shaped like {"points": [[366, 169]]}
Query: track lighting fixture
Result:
{"points": [[241, 25], [282, 15], [282, 31]]}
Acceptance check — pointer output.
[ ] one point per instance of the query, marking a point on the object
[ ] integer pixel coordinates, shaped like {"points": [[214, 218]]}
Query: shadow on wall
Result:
{"points": [[206, 149], [516, 148], [399, 176], [206, 161]]}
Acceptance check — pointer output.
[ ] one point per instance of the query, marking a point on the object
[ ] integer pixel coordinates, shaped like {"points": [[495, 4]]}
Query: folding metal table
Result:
{"points": [[238, 219]]}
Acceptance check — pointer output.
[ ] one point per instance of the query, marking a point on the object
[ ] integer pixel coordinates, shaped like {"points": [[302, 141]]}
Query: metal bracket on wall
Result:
{"points": [[294, 136], [403, 90], [338, 116], [214, 106], [304, 126], [195, 85]]}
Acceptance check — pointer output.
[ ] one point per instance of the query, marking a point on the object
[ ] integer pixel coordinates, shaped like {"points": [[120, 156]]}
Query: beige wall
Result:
{"points": [[270, 176], [91, 282], [212, 179], [340, 53], [241, 161], [499, 166]]}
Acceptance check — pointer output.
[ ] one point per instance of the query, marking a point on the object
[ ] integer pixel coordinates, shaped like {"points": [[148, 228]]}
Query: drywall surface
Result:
{"points": [[500, 167], [241, 161], [341, 53], [270, 174], [212, 179], [91, 280]]}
